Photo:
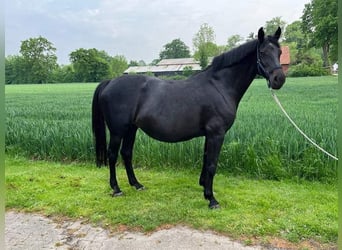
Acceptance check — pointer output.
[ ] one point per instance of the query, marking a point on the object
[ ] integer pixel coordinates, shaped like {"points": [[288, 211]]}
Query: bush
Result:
{"points": [[303, 70]]}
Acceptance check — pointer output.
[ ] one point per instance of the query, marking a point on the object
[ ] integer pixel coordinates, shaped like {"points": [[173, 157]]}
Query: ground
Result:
{"points": [[32, 231]]}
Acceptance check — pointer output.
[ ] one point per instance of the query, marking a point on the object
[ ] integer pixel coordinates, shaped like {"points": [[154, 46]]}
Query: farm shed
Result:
{"points": [[177, 65], [166, 67]]}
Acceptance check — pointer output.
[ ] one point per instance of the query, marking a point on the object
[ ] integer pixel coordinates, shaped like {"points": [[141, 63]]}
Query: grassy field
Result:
{"points": [[271, 184], [53, 122], [300, 215]]}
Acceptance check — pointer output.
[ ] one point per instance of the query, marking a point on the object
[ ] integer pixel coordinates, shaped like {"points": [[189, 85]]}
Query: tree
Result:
{"points": [[187, 71], [15, 70], [141, 63], [63, 74], [250, 37], [294, 34], [203, 58], [205, 35], [272, 25], [155, 61], [39, 59], [118, 65], [204, 44], [295, 39], [90, 65], [233, 41], [319, 23], [175, 49], [133, 63]]}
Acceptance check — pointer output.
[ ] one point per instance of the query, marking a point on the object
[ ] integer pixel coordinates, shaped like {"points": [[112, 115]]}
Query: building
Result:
{"points": [[166, 67], [285, 58], [176, 66]]}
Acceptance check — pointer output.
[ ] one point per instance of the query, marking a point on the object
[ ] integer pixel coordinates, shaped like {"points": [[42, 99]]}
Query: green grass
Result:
{"points": [[250, 209], [53, 122], [262, 180]]}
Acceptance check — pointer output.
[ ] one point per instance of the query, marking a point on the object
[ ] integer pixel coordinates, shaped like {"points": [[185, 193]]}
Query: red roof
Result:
{"points": [[285, 55]]}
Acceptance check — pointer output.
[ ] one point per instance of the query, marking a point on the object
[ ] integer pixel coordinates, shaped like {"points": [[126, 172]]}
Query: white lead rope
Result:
{"points": [[299, 130]]}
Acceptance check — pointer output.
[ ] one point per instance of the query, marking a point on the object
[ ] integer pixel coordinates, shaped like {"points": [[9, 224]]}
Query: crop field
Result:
{"points": [[53, 122]]}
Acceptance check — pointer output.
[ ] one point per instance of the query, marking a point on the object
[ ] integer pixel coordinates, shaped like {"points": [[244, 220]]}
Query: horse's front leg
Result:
{"points": [[213, 146], [202, 177]]}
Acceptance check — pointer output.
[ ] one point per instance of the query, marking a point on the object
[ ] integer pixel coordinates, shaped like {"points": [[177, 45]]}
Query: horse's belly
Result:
{"points": [[171, 132], [167, 137], [169, 119]]}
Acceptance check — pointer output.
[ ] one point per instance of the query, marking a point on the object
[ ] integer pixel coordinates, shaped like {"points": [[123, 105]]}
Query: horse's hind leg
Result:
{"points": [[127, 155], [113, 150]]}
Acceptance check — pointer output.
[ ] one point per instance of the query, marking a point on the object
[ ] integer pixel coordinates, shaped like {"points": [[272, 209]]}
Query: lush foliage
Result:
{"points": [[175, 49], [38, 64], [89, 64], [92, 65], [294, 34], [204, 44], [233, 41], [53, 122], [303, 70], [319, 23], [15, 70], [306, 62], [35, 64], [272, 25], [63, 74], [254, 211]]}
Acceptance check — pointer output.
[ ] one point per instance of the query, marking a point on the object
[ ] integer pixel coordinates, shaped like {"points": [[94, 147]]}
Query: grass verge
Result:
{"points": [[250, 209]]}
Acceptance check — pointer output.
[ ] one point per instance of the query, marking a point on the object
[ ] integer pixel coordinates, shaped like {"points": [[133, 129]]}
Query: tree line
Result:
{"points": [[312, 41]]}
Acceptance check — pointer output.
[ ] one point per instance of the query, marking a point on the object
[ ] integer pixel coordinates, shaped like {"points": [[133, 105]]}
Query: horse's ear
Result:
{"points": [[277, 33], [261, 35]]}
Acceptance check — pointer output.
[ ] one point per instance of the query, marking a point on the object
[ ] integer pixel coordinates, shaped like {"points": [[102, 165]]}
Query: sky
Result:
{"points": [[136, 29]]}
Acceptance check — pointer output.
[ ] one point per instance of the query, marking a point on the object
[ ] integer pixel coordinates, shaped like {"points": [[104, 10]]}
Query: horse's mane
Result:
{"points": [[233, 56]]}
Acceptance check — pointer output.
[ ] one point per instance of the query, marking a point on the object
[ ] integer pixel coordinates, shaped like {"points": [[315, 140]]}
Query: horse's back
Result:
{"points": [[122, 84]]}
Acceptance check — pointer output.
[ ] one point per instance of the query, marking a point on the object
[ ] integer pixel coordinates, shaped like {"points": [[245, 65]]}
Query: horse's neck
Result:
{"points": [[236, 80]]}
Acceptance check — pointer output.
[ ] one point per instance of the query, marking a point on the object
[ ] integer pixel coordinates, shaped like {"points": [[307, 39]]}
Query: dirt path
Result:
{"points": [[31, 231]]}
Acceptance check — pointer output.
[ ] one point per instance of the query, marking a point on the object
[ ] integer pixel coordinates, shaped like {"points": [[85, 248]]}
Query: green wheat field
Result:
{"points": [[53, 122]]}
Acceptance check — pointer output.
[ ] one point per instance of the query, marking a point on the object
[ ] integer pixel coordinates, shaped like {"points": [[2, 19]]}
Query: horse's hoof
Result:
{"points": [[117, 194], [217, 206], [139, 187], [214, 205]]}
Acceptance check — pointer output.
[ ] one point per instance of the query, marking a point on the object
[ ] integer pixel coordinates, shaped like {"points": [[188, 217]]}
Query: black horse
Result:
{"points": [[172, 111]]}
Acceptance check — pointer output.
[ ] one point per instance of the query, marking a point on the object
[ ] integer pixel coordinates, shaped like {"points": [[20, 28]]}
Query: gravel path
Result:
{"points": [[32, 231]]}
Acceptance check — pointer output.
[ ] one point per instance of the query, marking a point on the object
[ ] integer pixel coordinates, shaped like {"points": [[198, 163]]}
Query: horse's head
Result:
{"points": [[268, 59]]}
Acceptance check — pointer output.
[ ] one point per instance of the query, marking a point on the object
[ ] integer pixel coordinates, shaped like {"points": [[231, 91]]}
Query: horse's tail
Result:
{"points": [[99, 127]]}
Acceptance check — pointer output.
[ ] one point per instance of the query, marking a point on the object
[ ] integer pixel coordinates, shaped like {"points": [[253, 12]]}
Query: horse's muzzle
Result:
{"points": [[277, 79]]}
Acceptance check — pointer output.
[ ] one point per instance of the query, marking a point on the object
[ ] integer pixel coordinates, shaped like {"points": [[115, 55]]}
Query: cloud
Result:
{"points": [[137, 29]]}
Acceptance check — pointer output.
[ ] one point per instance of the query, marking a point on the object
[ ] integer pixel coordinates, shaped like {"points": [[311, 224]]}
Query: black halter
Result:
{"points": [[261, 69]]}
